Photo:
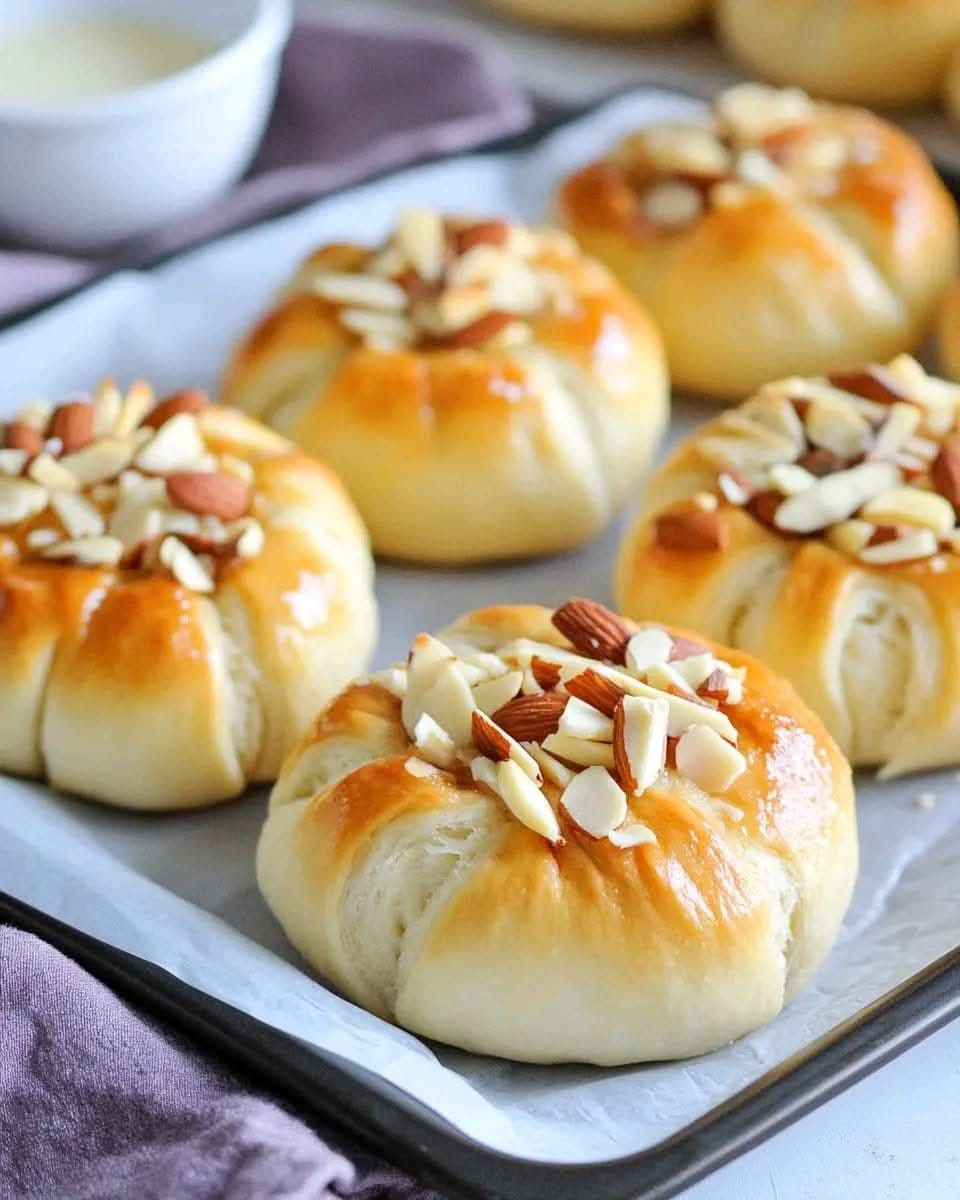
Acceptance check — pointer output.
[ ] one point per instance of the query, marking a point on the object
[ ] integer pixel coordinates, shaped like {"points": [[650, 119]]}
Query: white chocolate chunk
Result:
{"points": [[595, 801], [710, 762]]}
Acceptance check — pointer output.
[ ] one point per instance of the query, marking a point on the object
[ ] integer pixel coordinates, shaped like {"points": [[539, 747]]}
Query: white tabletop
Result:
{"points": [[896, 1135]]}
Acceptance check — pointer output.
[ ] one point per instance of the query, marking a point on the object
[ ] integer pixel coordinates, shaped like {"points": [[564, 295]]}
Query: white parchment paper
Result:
{"points": [[179, 890]]}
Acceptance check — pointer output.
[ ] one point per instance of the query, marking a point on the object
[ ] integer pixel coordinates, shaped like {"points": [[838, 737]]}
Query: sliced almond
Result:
{"points": [[103, 459], [136, 404], [900, 425], [677, 149], [106, 404], [576, 750], [51, 474], [361, 291], [531, 718], [184, 565], [580, 720], [735, 487], [552, 768], [79, 517], [757, 170], [251, 538], [20, 499], [175, 446], [647, 647], [41, 538], [593, 629], [668, 678], [484, 770], [12, 461], [433, 742], [850, 537], [708, 760], [628, 836], [672, 204], [640, 741], [835, 497], [838, 428], [88, 552], [427, 655], [73, 424], [596, 690], [695, 669], [690, 528], [911, 506], [526, 801], [789, 479], [448, 700], [751, 112], [945, 472], [595, 801], [422, 238], [493, 742], [921, 544]]}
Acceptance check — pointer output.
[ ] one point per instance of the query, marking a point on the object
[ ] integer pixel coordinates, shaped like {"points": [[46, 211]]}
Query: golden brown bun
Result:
{"points": [[951, 87], [130, 688], [606, 16], [468, 453], [866, 51], [421, 897], [872, 645], [948, 331], [824, 268]]}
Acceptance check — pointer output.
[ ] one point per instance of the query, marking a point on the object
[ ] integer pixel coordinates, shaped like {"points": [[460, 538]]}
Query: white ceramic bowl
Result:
{"points": [[89, 176]]}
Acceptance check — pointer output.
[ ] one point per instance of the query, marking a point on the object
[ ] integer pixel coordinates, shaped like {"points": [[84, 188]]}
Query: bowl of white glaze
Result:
{"points": [[117, 116]]}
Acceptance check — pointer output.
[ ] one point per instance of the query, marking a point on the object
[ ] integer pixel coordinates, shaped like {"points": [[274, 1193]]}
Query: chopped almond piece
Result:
{"points": [[595, 801], [640, 741], [708, 760]]}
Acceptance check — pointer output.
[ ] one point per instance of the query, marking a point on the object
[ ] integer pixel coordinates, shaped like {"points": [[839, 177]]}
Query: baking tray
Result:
{"points": [[390, 1123]]}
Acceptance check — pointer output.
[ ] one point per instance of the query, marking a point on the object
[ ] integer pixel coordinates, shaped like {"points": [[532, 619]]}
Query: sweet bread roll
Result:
{"points": [[775, 236], [484, 390], [951, 87], [948, 331], [562, 837], [606, 16], [179, 589], [867, 51], [816, 527]]}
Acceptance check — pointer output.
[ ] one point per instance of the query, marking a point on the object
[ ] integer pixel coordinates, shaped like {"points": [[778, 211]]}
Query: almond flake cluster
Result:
{"points": [[755, 138], [449, 283], [868, 460], [119, 480], [598, 722]]}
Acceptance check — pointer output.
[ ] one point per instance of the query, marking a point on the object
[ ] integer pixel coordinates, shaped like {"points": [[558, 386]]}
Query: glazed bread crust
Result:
{"points": [[948, 331], [468, 453], [421, 897], [607, 16], [872, 647], [132, 689], [816, 271], [877, 52]]}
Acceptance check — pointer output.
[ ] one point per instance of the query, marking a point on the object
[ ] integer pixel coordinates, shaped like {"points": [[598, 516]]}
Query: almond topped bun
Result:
{"points": [[867, 51], [816, 527], [562, 837], [179, 589], [606, 16], [484, 390], [775, 236]]}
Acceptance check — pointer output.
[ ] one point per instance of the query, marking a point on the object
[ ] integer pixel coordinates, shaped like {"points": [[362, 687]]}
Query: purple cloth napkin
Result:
{"points": [[98, 1104], [352, 101]]}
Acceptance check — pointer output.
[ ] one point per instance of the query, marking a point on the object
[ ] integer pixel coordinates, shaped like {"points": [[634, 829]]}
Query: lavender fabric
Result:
{"points": [[97, 1104], [352, 101]]}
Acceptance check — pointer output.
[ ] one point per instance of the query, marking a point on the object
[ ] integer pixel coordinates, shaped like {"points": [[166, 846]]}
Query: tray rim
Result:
{"points": [[426, 1146]]}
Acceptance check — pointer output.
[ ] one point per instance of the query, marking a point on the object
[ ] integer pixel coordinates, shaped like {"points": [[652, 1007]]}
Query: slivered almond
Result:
{"points": [[175, 446], [835, 498], [184, 565], [490, 739], [648, 646], [945, 472], [919, 543], [79, 517], [190, 400], [735, 487], [88, 552], [691, 528], [481, 233], [872, 383], [716, 686], [593, 629], [531, 718], [489, 695], [578, 751], [640, 741], [553, 769], [421, 236], [209, 493], [684, 647], [580, 720], [526, 801], [100, 460], [850, 537], [134, 407], [18, 435], [708, 760], [51, 473], [12, 462], [433, 742], [20, 499], [72, 423], [595, 689], [476, 333], [911, 506], [547, 674], [821, 461]]}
